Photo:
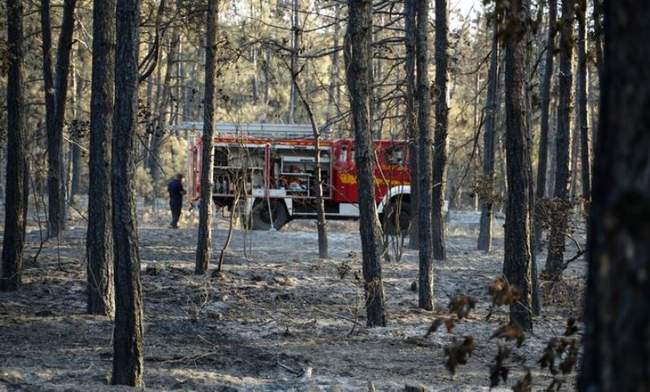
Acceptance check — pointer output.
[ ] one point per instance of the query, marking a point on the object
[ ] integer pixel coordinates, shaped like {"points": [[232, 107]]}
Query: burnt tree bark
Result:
{"points": [[49, 92], [597, 9], [517, 263], [15, 196], [99, 237], [410, 23], [542, 164], [616, 353], [359, 74], [440, 136], [204, 245], [295, 45], [425, 207], [161, 121], [321, 221], [581, 99], [75, 134], [55, 102], [128, 345], [555, 259], [489, 140], [333, 104]]}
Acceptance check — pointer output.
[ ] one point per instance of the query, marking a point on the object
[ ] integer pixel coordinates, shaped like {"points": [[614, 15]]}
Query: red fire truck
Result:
{"points": [[270, 170]]}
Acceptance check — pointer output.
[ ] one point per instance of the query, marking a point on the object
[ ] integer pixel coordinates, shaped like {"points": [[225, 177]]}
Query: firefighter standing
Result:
{"points": [[176, 192]]}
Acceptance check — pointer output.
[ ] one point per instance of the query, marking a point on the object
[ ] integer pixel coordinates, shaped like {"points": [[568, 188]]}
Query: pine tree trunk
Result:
{"points": [[359, 74], [425, 239], [295, 43], [581, 100], [55, 97], [99, 237], [266, 87], [411, 120], [3, 164], [48, 86], [616, 350], [491, 107], [575, 149], [76, 139], [74, 150], [517, 255], [440, 137], [378, 85], [203, 248], [16, 190], [555, 259], [333, 87], [321, 222], [552, 147], [597, 9], [542, 164], [178, 86], [128, 345], [161, 122]]}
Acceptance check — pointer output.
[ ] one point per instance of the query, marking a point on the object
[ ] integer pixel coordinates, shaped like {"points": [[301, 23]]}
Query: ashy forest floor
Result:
{"points": [[277, 319]]}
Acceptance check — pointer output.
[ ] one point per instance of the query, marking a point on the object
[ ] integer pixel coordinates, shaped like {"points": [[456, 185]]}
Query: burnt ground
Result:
{"points": [[277, 319]]}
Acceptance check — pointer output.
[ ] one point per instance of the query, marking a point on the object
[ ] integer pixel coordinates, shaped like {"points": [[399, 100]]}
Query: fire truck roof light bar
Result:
{"points": [[263, 130]]}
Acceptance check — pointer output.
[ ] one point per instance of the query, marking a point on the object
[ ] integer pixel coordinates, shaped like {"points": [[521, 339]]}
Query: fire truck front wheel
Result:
{"points": [[260, 218]]}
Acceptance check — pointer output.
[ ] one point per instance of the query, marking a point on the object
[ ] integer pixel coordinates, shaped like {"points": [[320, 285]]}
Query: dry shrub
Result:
{"points": [[566, 293]]}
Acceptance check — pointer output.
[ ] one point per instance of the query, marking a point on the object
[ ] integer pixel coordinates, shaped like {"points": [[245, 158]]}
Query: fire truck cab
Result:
{"points": [[267, 173]]}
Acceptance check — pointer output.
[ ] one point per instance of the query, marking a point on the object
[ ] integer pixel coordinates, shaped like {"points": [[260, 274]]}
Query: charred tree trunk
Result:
{"points": [[555, 259], [597, 9], [581, 99], [359, 74], [99, 237], [15, 196], [321, 222], [266, 71], [55, 97], [530, 37], [333, 105], [76, 136], [616, 354], [440, 137], [203, 247], [542, 165], [517, 264], [377, 83], [575, 149], [295, 44], [255, 94], [410, 23], [128, 345], [49, 93], [489, 140], [425, 240], [552, 147], [598, 54], [161, 122]]}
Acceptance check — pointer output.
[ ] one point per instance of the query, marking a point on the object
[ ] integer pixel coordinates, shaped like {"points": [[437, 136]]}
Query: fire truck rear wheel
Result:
{"points": [[397, 217], [260, 219]]}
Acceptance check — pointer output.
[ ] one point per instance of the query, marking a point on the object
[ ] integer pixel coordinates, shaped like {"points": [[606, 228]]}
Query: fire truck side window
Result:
{"points": [[344, 153], [220, 156]]}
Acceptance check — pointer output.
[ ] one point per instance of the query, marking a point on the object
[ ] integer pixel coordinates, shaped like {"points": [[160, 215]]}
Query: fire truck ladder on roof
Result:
{"points": [[261, 130]]}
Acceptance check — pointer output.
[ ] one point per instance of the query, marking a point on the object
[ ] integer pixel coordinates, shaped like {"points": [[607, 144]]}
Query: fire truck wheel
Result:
{"points": [[260, 219], [397, 217]]}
